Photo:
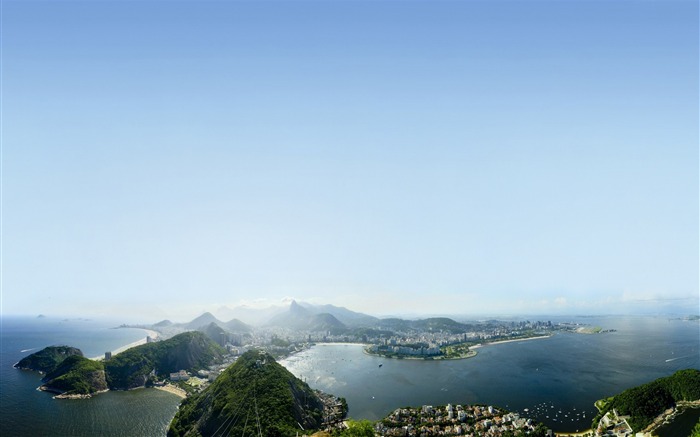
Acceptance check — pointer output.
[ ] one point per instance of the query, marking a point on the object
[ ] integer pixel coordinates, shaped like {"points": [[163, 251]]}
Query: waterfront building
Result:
{"points": [[179, 376]]}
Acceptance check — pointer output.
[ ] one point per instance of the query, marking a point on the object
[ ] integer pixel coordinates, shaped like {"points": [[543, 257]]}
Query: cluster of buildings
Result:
{"points": [[334, 410], [485, 421], [179, 376], [204, 376], [428, 342], [489, 331], [615, 425], [402, 339], [420, 350]]}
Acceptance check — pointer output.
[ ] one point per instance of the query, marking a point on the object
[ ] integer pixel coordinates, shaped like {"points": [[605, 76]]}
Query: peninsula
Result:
{"points": [[47, 359], [644, 408], [71, 375]]}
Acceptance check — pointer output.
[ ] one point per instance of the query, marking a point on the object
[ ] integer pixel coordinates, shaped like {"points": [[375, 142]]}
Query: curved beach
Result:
{"points": [[172, 389], [144, 340]]}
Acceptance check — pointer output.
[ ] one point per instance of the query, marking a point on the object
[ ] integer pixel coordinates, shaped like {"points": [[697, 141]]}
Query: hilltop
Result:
{"points": [[190, 351], [47, 359], [254, 396]]}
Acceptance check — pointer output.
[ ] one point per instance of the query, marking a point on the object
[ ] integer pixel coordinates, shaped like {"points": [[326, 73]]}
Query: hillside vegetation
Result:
{"points": [[645, 402], [69, 372], [47, 359], [190, 351], [254, 396], [77, 375]]}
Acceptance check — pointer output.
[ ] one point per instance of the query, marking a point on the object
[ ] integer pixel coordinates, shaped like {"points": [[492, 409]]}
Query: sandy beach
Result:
{"points": [[149, 333], [173, 389], [588, 432]]}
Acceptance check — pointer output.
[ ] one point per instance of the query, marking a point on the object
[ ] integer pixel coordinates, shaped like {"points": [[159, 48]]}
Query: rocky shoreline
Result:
{"points": [[669, 415], [63, 395]]}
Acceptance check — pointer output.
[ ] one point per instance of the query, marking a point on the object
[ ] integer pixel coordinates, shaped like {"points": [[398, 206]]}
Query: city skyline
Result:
{"points": [[170, 157]]}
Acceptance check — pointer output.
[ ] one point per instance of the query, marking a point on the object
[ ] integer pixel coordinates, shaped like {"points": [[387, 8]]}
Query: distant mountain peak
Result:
{"points": [[237, 326], [298, 310], [203, 320], [163, 323]]}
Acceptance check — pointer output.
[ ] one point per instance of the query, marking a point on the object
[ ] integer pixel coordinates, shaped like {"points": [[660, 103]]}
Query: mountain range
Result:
{"points": [[270, 316], [301, 316]]}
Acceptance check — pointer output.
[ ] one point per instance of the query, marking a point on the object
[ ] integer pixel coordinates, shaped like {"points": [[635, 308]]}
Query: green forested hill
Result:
{"points": [[48, 358], [77, 375], [645, 402], [254, 396], [189, 351]]}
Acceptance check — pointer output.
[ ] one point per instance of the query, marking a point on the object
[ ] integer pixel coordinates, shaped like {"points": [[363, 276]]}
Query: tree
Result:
{"points": [[358, 428], [696, 430]]}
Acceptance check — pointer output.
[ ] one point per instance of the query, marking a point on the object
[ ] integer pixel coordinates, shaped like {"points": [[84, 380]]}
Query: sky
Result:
{"points": [[162, 158]]}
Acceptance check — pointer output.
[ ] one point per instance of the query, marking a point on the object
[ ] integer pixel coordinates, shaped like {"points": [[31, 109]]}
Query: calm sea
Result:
{"points": [[555, 380], [25, 411]]}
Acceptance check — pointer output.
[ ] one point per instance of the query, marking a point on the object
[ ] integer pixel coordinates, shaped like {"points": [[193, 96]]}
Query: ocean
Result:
{"points": [[25, 411], [555, 380]]}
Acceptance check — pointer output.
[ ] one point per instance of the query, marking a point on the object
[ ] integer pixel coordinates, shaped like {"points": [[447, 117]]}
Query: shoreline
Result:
{"points": [[144, 340], [172, 389], [428, 358], [339, 343], [669, 416], [510, 341], [472, 353], [60, 394]]}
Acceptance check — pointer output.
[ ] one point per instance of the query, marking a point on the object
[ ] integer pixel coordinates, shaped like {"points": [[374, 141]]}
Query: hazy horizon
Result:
{"points": [[260, 317], [163, 158]]}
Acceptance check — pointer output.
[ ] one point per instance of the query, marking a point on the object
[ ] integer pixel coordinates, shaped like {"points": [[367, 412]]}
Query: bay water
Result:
{"points": [[555, 380]]}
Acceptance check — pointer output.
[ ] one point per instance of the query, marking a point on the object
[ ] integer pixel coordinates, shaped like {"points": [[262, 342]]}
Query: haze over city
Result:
{"points": [[161, 159]]}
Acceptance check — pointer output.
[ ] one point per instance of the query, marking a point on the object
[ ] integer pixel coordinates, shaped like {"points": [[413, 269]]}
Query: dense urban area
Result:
{"points": [[465, 420]]}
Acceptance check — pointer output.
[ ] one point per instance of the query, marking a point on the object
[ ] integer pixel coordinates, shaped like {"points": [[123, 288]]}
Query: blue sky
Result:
{"points": [[476, 157]]}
